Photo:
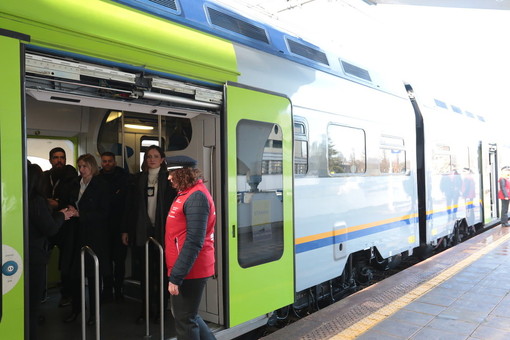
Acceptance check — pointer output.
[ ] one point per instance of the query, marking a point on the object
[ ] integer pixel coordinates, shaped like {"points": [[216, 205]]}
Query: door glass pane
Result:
{"points": [[259, 193]]}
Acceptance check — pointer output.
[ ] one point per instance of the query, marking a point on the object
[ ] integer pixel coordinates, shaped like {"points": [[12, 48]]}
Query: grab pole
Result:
{"points": [[161, 285], [96, 286]]}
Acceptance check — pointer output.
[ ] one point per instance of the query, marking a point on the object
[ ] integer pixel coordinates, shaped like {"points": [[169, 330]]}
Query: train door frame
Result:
{"points": [[12, 162], [492, 210], [271, 284]]}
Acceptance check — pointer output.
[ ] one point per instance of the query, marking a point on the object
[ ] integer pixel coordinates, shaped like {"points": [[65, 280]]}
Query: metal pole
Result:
{"points": [[96, 288], [161, 285]]}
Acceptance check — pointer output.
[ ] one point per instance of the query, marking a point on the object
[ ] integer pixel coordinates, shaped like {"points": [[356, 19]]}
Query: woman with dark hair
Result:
{"points": [[90, 195], [189, 251], [41, 225], [150, 198]]}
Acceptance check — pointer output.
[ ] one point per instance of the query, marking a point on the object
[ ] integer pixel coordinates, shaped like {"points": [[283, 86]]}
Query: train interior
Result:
{"points": [[90, 109]]}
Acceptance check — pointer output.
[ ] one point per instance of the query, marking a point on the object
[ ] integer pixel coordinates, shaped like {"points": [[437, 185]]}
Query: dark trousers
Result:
{"points": [[504, 211], [37, 273], [114, 281], [76, 295], [188, 324], [154, 279]]}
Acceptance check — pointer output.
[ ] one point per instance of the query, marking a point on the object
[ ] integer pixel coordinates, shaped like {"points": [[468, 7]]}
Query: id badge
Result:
{"points": [[150, 191]]}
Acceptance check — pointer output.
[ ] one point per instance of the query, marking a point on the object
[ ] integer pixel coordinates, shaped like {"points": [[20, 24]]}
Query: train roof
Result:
{"points": [[221, 20]]}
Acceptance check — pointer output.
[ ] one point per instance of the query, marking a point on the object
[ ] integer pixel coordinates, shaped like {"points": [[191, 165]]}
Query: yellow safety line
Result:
{"points": [[370, 321]]}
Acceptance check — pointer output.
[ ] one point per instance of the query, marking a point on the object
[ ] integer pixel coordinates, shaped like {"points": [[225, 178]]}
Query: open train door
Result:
{"points": [[12, 165], [259, 239]]}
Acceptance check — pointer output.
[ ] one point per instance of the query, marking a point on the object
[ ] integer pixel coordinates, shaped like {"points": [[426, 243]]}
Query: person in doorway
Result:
{"points": [[90, 195], [189, 250], [504, 194], [118, 178], [149, 199], [42, 223], [56, 182]]}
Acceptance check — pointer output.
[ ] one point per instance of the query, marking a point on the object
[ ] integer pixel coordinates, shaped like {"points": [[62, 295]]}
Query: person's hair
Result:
{"points": [[185, 178], [108, 154], [161, 153], [57, 149], [34, 175], [91, 161]]}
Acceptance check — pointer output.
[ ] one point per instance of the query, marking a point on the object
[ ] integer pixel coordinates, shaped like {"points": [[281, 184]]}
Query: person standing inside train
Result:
{"points": [[149, 199], [55, 182], [504, 194], [118, 178], [42, 223], [90, 195], [189, 248]]}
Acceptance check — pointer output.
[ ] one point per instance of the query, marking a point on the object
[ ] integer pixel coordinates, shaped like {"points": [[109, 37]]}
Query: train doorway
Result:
{"points": [[86, 114]]}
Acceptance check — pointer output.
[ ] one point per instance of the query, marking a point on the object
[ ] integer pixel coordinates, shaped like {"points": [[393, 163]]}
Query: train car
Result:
{"points": [[320, 168]]}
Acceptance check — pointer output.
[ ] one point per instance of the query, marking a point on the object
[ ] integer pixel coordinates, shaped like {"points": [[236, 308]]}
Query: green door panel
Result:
{"points": [[260, 214], [11, 188]]}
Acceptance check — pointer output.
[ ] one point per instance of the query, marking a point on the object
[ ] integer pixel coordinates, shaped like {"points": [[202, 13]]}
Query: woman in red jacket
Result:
{"points": [[189, 247], [504, 194]]}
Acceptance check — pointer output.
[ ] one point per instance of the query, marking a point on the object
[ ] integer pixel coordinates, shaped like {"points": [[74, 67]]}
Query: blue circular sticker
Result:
{"points": [[9, 268]]}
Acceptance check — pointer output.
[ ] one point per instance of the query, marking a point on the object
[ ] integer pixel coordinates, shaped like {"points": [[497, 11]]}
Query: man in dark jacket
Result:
{"points": [[54, 183], [118, 179]]}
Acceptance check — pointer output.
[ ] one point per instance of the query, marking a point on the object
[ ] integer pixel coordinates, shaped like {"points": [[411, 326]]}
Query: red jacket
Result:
{"points": [[504, 187], [183, 267]]}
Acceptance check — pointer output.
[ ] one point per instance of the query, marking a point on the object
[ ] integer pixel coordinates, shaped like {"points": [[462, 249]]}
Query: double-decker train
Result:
{"points": [[320, 168]]}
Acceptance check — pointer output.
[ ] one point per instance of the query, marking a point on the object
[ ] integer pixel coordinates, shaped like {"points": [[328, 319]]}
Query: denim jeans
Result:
{"points": [[188, 324]]}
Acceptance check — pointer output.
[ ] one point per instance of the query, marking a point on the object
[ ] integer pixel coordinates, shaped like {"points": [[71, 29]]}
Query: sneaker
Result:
{"points": [[64, 301]]}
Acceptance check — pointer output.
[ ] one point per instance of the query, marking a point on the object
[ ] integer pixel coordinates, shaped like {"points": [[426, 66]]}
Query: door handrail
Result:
{"points": [[161, 283], [87, 249]]}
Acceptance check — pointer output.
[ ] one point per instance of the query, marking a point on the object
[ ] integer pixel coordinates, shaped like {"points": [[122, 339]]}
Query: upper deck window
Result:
{"points": [[307, 52], [159, 7], [355, 71], [237, 25]]}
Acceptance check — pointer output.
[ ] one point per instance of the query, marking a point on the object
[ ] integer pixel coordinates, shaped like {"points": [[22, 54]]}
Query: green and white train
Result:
{"points": [[320, 168]]}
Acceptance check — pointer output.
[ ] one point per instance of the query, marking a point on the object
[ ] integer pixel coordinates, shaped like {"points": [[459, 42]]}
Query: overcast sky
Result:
{"points": [[461, 55]]}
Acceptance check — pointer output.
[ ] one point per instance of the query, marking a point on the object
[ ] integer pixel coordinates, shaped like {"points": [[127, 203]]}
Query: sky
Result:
{"points": [[461, 56]]}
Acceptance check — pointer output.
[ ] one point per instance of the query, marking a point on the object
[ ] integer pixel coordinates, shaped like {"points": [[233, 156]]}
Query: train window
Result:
{"points": [[346, 150], [392, 156], [456, 109], [259, 191], [300, 149]]}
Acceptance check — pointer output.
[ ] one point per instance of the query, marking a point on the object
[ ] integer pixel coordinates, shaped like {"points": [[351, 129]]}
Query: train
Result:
{"points": [[320, 168]]}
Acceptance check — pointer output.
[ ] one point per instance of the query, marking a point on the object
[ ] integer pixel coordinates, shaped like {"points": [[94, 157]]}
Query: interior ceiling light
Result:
{"points": [[113, 115], [139, 127]]}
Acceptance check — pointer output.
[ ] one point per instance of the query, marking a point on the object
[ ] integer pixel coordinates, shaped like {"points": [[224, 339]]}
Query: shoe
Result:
{"points": [[140, 320], [505, 225], [71, 317], [64, 301]]}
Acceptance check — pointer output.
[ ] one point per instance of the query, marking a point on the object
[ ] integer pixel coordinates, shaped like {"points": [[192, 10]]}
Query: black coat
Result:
{"points": [[118, 181], [56, 188], [138, 223], [91, 227], [41, 225]]}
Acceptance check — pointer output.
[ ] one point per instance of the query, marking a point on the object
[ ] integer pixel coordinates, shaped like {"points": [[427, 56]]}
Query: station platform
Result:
{"points": [[461, 293]]}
